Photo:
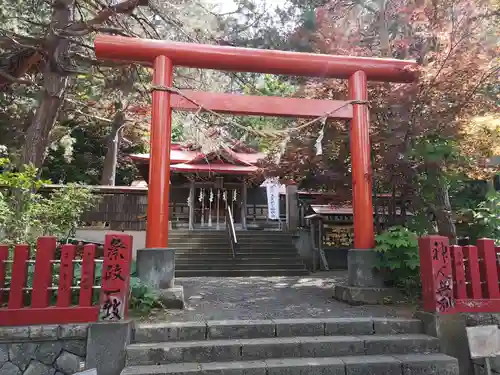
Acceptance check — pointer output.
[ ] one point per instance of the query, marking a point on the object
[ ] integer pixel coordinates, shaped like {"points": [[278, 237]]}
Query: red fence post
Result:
{"points": [[18, 280], [42, 279], [459, 272], [4, 255], [116, 277], [65, 276], [87, 275], [486, 248], [472, 272], [436, 274]]}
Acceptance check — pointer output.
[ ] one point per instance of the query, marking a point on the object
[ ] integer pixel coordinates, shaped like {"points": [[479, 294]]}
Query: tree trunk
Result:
{"points": [[111, 160], [446, 226], [55, 82]]}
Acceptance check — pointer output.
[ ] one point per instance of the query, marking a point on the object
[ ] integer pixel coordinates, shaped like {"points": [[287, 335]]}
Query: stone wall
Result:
{"points": [[43, 350]]}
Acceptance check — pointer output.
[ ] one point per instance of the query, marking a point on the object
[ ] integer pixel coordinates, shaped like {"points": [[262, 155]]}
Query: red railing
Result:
{"points": [[458, 279], [32, 292]]}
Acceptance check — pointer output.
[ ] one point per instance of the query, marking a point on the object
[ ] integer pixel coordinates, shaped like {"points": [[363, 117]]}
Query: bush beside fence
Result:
{"points": [[99, 291]]}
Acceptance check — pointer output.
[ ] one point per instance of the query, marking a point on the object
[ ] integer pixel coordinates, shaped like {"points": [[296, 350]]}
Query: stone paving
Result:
{"points": [[211, 298]]}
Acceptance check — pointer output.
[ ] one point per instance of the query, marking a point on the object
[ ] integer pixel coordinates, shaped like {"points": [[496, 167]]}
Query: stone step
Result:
{"points": [[228, 258], [241, 272], [225, 242], [242, 247], [235, 265], [278, 347], [238, 329], [194, 254], [239, 254], [436, 364]]}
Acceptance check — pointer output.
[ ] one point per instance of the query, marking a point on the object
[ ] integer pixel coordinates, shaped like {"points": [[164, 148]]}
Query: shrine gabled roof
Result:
{"points": [[191, 157]]}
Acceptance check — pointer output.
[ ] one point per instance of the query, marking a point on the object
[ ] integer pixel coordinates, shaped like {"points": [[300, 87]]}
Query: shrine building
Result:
{"points": [[204, 186]]}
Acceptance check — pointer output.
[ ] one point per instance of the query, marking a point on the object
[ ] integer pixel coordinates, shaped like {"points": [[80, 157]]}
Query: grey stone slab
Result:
{"points": [[394, 326], [400, 344], [305, 366], [349, 326], [157, 354], [372, 365], [38, 368], [73, 331], [175, 331], [48, 332], [156, 267], [78, 347], [106, 346], [10, 369], [172, 298], [357, 296], [241, 329], [331, 346], [430, 364], [68, 363], [21, 354], [270, 348], [361, 266], [4, 353], [47, 352], [234, 368], [209, 351], [14, 333], [172, 369], [299, 327]]}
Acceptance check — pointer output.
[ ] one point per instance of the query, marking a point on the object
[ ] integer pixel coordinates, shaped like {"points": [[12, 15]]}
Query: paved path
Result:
{"points": [[211, 298]]}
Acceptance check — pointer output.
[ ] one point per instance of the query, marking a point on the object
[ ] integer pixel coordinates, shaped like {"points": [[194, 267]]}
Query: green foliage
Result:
{"points": [[486, 218], [87, 161], [25, 214], [268, 85], [399, 259]]}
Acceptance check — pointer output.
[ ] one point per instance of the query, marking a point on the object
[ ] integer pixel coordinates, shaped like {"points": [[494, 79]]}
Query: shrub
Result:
{"points": [[25, 214], [399, 259]]}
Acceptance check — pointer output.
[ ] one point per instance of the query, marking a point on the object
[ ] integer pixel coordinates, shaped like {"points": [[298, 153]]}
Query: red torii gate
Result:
{"points": [[163, 56]]}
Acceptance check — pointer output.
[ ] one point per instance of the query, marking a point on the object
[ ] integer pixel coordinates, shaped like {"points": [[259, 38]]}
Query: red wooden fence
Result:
{"points": [[114, 286], [458, 279]]}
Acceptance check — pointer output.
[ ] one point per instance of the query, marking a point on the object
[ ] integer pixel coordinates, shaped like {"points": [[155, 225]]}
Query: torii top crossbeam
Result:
{"points": [[205, 56], [163, 56]]}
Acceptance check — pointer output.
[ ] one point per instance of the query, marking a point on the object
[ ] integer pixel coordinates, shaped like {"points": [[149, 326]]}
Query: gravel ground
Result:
{"points": [[213, 298]]}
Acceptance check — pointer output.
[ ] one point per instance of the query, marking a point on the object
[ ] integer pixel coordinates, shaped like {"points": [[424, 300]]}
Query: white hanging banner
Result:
{"points": [[273, 199]]}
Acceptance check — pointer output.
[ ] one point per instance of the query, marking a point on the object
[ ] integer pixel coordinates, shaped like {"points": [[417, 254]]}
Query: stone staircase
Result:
{"points": [[338, 346], [259, 253]]}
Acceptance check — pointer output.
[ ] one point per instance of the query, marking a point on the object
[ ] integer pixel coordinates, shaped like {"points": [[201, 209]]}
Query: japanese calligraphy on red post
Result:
{"points": [[115, 277], [443, 276]]}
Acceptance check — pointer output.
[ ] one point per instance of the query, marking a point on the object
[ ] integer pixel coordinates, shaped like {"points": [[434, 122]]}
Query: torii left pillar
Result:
{"points": [[156, 263]]}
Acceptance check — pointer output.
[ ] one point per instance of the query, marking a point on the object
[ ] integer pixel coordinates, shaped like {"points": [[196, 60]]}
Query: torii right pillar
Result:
{"points": [[365, 284]]}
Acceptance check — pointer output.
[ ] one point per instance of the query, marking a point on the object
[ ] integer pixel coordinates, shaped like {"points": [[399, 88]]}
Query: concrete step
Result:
{"points": [[182, 266], [278, 347], [241, 272], [437, 364], [240, 329]]}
